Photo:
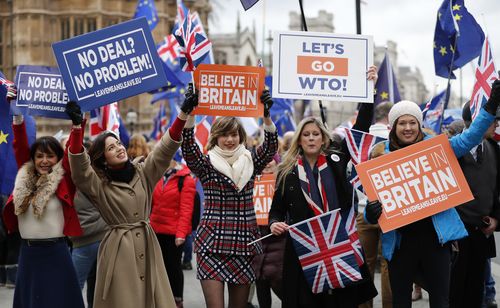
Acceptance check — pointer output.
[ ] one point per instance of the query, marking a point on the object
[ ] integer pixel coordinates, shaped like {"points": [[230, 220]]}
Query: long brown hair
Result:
{"points": [[96, 153], [137, 146], [225, 125]]}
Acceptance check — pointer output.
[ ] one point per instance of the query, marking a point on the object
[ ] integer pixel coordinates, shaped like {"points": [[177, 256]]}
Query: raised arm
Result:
{"points": [[195, 160], [269, 147], [20, 144], [471, 137]]}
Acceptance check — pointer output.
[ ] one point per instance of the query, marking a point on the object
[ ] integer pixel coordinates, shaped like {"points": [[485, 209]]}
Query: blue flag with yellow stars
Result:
{"points": [[8, 165], [147, 8], [455, 26], [386, 86]]}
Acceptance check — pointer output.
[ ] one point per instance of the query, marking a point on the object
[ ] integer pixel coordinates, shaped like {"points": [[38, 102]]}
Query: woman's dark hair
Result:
{"points": [[96, 152], [47, 144]]}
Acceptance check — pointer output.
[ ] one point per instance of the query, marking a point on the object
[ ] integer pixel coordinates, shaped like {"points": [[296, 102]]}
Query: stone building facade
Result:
{"points": [[29, 27]]}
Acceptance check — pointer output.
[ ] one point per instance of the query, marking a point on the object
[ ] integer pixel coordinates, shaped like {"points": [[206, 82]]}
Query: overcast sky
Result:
{"points": [[407, 22]]}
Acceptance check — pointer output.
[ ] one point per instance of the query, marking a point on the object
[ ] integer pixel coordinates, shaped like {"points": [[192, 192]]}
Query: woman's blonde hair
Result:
{"points": [[290, 157], [223, 126], [138, 146]]}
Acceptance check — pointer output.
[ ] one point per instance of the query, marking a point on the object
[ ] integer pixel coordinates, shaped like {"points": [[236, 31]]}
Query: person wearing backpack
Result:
{"points": [[171, 218]]}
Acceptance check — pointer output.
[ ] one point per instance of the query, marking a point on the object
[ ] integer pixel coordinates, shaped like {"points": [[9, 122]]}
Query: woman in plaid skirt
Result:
{"points": [[227, 174]]}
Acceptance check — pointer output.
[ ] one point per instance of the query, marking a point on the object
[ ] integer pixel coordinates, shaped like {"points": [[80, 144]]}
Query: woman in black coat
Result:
{"points": [[308, 155]]}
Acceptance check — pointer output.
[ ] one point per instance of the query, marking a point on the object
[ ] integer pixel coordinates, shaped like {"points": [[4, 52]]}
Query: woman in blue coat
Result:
{"points": [[424, 246]]}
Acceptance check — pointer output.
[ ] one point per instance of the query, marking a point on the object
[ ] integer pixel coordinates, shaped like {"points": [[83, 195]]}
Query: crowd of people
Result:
{"points": [[119, 220]]}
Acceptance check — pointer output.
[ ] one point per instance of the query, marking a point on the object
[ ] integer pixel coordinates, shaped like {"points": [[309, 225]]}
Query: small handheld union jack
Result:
{"points": [[10, 86], [359, 144], [194, 46], [328, 249], [485, 75]]}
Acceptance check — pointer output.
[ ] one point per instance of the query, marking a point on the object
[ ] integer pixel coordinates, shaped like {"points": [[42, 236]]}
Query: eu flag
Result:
{"points": [[147, 8], [8, 165], [386, 86], [458, 33]]}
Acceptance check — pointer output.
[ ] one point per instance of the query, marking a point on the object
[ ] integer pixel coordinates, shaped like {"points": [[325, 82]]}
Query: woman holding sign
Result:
{"points": [[41, 209], [312, 181], [130, 268], [228, 224], [423, 247]]}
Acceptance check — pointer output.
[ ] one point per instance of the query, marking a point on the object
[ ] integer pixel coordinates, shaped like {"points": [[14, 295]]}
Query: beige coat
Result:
{"points": [[130, 268]]}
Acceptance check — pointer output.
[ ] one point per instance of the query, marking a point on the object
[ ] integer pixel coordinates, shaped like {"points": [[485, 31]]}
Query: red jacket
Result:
{"points": [[65, 191], [173, 210]]}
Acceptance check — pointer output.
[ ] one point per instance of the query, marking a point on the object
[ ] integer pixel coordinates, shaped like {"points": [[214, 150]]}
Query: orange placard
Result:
{"points": [[322, 65], [263, 192], [415, 182], [228, 90]]}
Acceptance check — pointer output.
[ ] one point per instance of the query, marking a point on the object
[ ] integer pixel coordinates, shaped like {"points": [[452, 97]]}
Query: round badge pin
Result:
{"points": [[335, 158]]}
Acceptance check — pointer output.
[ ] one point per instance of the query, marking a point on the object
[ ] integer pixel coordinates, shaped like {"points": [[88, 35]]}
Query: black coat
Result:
{"points": [[290, 205]]}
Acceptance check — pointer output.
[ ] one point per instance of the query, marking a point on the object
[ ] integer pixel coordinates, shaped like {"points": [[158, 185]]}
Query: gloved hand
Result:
{"points": [[190, 101], [74, 112], [267, 100], [492, 104], [373, 210], [11, 92]]}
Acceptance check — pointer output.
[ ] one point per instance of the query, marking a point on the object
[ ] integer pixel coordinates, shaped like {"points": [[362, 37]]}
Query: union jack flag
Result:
{"points": [[327, 254], [160, 123], [485, 75], [169, 49], [105, 118], [194, 46], [9, 86], [202, 131], [359, 144]]}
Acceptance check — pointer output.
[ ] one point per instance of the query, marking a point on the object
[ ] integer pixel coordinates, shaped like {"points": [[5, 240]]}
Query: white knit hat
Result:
{"points": [[405, 108]]}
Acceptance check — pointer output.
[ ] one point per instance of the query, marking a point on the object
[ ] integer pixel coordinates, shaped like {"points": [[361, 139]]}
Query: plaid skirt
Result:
{"points": [[234, 269]]}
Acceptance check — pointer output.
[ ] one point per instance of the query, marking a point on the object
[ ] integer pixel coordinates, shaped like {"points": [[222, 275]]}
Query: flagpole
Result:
{"points": [[448, 87], [304, 25]]}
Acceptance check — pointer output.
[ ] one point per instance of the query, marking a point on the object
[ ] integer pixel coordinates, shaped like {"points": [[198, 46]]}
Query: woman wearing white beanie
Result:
{"points": [[424, 246]]}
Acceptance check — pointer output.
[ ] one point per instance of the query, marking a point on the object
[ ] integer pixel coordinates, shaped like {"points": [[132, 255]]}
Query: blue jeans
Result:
{"points": [[489, 283], [84, 258]]}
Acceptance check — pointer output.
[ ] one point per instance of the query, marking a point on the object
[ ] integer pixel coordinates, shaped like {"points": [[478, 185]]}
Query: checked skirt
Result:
{"points": [[234, 269]]}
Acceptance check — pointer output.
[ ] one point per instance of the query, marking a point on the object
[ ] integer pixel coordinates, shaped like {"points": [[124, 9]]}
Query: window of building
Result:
{"points": [[65, 29], [220, 57], [91, 24], [78, 26]]}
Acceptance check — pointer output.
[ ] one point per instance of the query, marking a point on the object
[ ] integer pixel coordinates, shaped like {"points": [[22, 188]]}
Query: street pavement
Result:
{"points": [[193, 296]]}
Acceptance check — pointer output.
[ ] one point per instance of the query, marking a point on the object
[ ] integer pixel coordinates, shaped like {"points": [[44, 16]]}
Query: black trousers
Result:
{"points": [[420, 254], [172, 259], [468, 273]]}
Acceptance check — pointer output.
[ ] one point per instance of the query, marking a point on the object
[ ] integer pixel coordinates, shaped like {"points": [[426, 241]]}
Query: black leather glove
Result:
{"points": [[190, 101], [74, 112], [492, 105], [373, 210], [267, 100]]}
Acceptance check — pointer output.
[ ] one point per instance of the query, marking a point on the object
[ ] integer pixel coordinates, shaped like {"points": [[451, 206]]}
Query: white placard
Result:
{"points": [[326, 66]]}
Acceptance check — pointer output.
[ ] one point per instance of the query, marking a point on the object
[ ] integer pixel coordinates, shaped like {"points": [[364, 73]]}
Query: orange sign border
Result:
{"points": [[204, 108], [398, 219]]}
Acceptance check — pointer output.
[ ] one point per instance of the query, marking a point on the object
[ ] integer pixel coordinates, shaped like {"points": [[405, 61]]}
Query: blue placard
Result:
{"points": [[107, 65], [41, 91]]}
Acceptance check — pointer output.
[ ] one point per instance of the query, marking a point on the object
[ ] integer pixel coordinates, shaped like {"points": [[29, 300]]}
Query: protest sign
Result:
{"points": [[415, 182], [111, 64], [227, 90], [263, 192], [41, 90], [328, 66]]}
